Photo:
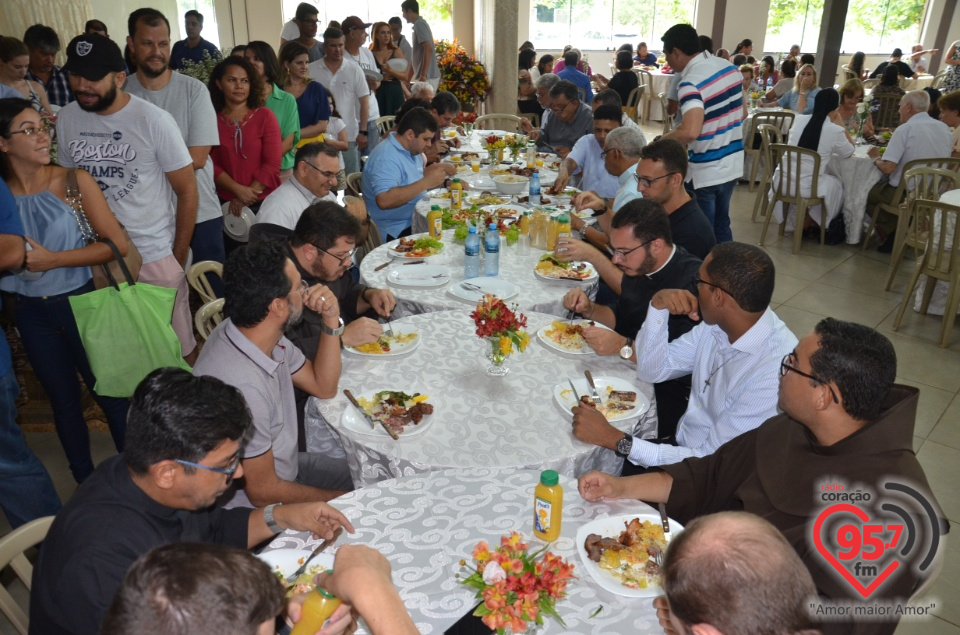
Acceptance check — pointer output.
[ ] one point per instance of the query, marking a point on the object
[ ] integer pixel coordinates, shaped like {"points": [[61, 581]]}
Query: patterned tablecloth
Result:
{"points": [[425, 524], [535, 294], [858, 174], [479, 421]]}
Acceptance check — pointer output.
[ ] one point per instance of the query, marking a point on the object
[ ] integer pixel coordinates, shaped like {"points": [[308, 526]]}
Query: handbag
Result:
{"points": [[126, 331], [102, 274]]}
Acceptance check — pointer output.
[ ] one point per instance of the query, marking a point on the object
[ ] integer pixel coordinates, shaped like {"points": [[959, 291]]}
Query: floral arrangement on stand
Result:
{"points": [[863, 112], [755, 96], [517, 143], [466, 120], [516, 587], [494, 145], [461, 74], [502, 329], [204, 68]]}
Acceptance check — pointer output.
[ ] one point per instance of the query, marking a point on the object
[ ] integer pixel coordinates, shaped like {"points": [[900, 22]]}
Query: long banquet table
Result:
{"points": [[426, 523]]}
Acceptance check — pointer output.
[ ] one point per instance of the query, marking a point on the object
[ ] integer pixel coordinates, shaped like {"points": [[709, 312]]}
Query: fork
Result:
{"points": [[388, 331], [471, 287], [657, 555]]}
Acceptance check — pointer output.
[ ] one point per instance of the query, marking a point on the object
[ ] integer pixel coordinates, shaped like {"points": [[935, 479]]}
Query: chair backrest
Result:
{"points": [[870, 83], [498, 121], [355, 184], [790, 160], [944, 163], [847, 73], [928, 182], [942, 246], [938, 79], [632, 107], [886, 110], [208, 316], [12, 547], [769, 134], [384, 124], [196, 276], [667, 119], [646, 78], [374, 240], [782, 120]]}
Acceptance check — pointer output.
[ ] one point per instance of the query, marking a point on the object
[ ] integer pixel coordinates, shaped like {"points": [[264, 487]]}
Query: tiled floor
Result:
{"points": [[836, 281]]}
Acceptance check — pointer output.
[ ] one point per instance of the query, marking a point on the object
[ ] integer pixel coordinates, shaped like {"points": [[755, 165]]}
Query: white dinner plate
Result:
{"points": [[419, 276], [612, 526], [286, 561], [396, 348], [586, 350], [238, 227], [517, 210], [399, 65], [354, 421], [503, 289], [391, 249], [590, 278], [369, 73], [567, 400]]}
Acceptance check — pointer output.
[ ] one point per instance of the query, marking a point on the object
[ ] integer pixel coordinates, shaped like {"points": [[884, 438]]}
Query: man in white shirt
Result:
{"points": [[349, 87], [188, 101], [917, 137], [314, 174], [355, 35], [136, 153], [734, 355], [917, 62], [291, 30], [424, 53], [587, 158]]}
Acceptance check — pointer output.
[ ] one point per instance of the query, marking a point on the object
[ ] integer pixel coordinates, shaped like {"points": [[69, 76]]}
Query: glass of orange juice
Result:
{"points": [[475, 165]]}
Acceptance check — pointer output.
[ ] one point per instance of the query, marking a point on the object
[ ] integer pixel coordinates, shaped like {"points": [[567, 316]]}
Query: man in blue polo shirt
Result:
{"points": [[394, 178], [570, 73]]}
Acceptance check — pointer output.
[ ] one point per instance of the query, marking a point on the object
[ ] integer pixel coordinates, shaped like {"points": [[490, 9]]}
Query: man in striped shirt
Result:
{"points": [[712, 109]]}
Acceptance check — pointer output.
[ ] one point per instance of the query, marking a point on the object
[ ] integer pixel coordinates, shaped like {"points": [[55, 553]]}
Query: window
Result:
{"points": [[790, 22], [604, 24], [435, 12], [206, 8]]}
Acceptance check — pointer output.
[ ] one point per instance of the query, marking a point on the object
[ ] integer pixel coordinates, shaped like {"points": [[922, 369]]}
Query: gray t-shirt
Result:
{"points": [[188, 100], [128, 154], [421, 34]]}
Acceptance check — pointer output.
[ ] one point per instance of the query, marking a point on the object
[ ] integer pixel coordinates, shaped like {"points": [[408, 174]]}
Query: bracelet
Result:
{"points": [[268, 517]]}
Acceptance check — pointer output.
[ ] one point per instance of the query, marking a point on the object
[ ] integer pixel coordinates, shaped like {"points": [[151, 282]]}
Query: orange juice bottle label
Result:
{"points": [[543, 510]]}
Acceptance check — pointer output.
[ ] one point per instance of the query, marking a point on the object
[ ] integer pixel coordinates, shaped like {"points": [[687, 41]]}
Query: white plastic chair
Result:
{"points": [[196, 276], [208, 316], [12, 547]]}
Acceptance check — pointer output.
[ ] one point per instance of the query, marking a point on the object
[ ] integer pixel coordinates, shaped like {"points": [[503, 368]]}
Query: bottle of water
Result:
{"points": [[535, 189], [471, 254], [491, 261]]}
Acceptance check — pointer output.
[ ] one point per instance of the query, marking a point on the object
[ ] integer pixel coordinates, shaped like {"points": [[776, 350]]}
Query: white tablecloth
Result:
{"points": [[479, 421], [425, 524], [535, 294], [858, 174]]}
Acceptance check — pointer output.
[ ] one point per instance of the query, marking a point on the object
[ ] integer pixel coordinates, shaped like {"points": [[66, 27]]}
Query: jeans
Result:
{"points": [[53, 346], [26, 492], [714, 200], [351, 159], [207, 244], [373, 137]]}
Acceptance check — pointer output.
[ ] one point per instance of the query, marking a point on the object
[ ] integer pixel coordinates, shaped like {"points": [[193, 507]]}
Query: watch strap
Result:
{"points": [[326, 330], [270, 520]]}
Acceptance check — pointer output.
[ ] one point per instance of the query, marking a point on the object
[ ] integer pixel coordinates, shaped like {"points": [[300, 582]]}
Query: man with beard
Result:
{"points": [[136, 153], [644, 252], [265, 295], [194, 48], [188, 101]]}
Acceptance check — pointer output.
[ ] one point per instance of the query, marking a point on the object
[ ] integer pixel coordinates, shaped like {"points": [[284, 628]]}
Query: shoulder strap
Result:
{"points": [[75, 201]]}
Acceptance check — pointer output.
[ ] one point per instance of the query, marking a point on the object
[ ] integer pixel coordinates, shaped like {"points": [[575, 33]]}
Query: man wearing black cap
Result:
{"points": [[896, 59], [136, 153]]}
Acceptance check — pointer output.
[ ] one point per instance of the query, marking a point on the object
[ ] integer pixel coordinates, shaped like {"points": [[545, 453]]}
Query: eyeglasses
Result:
{"points": [[559, 109], [698, 281], [330, 176], [623, 253], [645, 182], [310, 22], [303, 289], [786, 365], [229, 471], [606, 152], [341, 259], [31, 132]]}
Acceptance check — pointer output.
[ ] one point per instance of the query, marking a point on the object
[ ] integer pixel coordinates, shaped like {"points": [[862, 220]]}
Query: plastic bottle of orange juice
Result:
{"points": [[317, 609], [456, 194], [547, 506]]}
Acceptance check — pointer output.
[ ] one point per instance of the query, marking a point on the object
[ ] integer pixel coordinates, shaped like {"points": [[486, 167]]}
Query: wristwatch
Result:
{"points": [[326, 330], [627, 351], [624, 446], [271, 522], [363, 132]]}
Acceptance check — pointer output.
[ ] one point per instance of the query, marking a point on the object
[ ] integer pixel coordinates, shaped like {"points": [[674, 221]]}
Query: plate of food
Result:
{"points": [[617, 551], [422, 246], [485, 199], [619, 399], [401, 342], [284, 562], [504, 211], [567, 337], [474, 289], [406, 412], [420, 276], [551, 269]]}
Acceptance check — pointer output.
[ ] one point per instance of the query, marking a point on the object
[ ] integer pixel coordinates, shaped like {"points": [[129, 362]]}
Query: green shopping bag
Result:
{"points": [[126, 332]]}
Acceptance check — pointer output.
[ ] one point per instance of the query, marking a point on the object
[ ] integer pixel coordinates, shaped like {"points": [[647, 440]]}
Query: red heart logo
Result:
{"points": [[818, 541]]}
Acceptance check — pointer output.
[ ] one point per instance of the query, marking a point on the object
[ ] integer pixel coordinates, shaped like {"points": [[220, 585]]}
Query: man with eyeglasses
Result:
{"points": [[306, 19], [314, 178], [844, 420], [586, 159], [569, 120], [265, 296], [185, 436]]}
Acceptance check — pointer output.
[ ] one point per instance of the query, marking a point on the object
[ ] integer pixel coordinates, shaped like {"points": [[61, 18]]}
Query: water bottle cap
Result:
{"points": [[547, 477], [472, 230], [492, 226]]}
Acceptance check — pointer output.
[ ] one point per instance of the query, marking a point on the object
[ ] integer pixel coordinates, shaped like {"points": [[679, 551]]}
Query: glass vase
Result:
{"points": [[468, 128], [497, 360]]}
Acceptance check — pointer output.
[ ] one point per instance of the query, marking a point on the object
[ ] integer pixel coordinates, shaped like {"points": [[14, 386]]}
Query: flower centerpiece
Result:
{"points": [[494, 145], [517, 144], [461, 74], [755, 96], [863, 112], [516, 587], [466, 121], [503, 331]]}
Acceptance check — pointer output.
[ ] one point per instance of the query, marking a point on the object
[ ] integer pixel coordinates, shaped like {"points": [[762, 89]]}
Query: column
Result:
{"points": [[831, 35], [499, 36]]}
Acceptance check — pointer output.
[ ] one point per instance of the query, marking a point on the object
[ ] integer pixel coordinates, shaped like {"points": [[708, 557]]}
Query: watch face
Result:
{"points": [[624, 446], [626, 352]]}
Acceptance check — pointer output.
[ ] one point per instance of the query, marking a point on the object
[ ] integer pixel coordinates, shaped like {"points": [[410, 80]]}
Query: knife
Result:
{"points": [[323, 545], [593, 387], [383, 266], [665, 521], [575, 394], [373, 422]]}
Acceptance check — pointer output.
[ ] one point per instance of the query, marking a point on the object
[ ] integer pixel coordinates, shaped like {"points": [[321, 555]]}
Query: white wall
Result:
{"points": [[114, 14]]}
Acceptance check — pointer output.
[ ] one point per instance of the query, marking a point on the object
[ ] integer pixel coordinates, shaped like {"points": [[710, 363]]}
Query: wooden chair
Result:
{"points": [[667, 119], [646, 79], [926, 183], [940, 261], [632, 107], [786, 190], [769, 134], [782, 120], [498, 121], [355, 184], [207, 317], [12, 548], [886, 110], [384, 124], [197, 277]]}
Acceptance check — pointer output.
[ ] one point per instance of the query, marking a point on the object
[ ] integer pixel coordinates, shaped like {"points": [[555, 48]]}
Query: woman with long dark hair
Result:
{"points": [[887, 113], [526, 89], [855, 66], [545, 64], [57, 266], [390, 92], [745, 47], [282, 104], [312, 106]]}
